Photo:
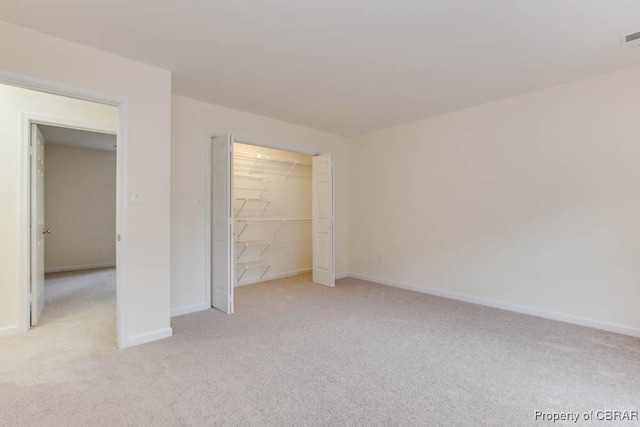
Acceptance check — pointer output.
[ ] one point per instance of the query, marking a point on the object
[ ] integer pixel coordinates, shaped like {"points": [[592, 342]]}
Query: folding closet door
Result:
{"points": [[323, 237], [222, 250]]}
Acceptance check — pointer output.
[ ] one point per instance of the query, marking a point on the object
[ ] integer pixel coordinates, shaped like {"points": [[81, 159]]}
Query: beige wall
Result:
{"points": [[80, 207], [145, 91], [530, 202], [14, 104], [190, 123]]}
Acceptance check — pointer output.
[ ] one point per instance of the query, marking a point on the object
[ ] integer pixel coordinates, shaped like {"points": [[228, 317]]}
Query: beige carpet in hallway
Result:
{"points": [[78, 320], [296, 353]]}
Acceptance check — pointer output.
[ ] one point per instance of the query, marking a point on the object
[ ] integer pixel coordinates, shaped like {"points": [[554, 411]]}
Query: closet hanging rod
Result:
{"points": [[273, 220], [250, 199], [254, 156], [251, 177], [250, 264], [250, 189], [250, 243]]}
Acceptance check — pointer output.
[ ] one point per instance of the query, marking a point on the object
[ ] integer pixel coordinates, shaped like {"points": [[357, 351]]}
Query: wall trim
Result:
{"points": [[79, 267], [10, 330], [206, 306], [149, 336], [274, 277], [531, 311], [190, 309]]}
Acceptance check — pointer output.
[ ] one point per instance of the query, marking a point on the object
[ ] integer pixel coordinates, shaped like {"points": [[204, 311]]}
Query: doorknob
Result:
{"points": [[47, 231]]}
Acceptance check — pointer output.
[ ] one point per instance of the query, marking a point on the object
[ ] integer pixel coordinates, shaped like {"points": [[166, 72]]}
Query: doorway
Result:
{"points": [[271, 216], [23, 108], [73, 217]]}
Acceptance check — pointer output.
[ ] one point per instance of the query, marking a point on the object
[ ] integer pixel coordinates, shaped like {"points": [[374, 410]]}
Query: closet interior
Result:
{"points": [[273, 213]]}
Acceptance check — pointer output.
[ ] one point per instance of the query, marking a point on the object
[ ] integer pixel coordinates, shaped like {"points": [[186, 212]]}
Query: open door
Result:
{"points": [[223, 271], [323, 258], [38, 230]]}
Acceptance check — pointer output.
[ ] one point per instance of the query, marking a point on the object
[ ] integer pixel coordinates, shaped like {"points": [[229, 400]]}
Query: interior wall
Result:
{"points": [[191, 122], [14, 103], [80, 207], [527, 203], [145, 91], [285, 248]]}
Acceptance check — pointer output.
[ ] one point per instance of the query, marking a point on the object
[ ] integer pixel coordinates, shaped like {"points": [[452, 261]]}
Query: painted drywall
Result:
{"points": [[15, 103], [191, 121], [145, 91], [529, 202], [79, 207], [287, 194]]}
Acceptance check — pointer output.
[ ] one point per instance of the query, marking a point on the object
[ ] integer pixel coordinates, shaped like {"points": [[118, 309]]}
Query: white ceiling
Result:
{"points": [[350, 66], [78, 138]]}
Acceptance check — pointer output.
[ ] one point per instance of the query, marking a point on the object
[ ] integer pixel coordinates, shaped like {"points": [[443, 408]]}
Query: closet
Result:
{"points": [[271, 214], [272, 210]]}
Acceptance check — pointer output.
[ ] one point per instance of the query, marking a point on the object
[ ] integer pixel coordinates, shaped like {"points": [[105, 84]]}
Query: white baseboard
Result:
{"points": [[562, 317], [149, 336], [10, 330], [274, 277], [190, 309], [206, 306], [79, 267]]}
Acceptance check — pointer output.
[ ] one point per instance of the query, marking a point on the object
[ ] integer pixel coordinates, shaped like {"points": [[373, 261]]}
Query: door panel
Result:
{"points": [[222, 248], [323, 230], [38, 230]]}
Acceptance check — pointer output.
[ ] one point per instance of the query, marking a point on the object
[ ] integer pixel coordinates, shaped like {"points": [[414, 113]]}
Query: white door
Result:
{"points": [[323, 259], [223, 272], [38, 230]]}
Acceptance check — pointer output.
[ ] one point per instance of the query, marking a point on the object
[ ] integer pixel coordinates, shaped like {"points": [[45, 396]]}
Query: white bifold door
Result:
{"points": [[222, 248], [323, 237], [38, 230]]}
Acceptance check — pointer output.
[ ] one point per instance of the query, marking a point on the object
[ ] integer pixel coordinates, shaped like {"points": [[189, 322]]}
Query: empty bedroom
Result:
{"points": [[407, 213]]}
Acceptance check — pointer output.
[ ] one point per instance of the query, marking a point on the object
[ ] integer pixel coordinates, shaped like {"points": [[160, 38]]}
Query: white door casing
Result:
{"points": [[25, 270], [38, 230], [222, 249], [323, 217]]}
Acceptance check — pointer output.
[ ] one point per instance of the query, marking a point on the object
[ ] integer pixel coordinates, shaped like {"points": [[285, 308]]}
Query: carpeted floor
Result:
{"points": [[296, 353]]}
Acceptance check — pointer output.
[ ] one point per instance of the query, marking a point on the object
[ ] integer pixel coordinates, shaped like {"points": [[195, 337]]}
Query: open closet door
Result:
{"points": [[323, 258], [38, 230], [223, 271]]}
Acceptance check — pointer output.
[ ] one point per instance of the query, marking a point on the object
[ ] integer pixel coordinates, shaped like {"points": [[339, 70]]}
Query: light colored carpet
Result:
{"points": [[296, 353]]}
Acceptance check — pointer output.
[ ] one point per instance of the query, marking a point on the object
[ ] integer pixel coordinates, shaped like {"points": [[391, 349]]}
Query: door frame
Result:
{"points": [[209, 199], [24, 274]]}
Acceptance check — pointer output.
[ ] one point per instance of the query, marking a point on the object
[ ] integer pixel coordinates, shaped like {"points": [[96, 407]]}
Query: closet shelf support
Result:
{"points": [[264, 243], [248, 265], [244, 227]]}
